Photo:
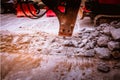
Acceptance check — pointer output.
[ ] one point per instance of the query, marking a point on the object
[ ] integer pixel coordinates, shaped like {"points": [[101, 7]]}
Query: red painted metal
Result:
{"points": [[50, 13], [20, 12]]}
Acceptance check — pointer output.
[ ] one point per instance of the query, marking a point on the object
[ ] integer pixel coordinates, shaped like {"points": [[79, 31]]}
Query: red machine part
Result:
{"points": [[50, 13], [26, 10]]}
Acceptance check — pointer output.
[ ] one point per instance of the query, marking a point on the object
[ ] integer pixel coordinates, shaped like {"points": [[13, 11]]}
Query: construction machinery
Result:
{"points": [[101, 11], [66, 17]]}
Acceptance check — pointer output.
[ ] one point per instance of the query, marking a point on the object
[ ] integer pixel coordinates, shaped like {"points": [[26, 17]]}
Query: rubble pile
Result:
{"points": [[104, 40], [80, 57]]}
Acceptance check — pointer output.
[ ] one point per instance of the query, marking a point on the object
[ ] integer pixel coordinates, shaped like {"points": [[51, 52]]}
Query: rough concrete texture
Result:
{"points": [[103, 53], [103, 40], [103, 67], [116, 34], [40, 55], [112, 45]]}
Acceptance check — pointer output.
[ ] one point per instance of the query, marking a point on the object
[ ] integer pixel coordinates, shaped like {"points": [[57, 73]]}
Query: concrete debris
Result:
{"points": [[84, 41], [102, 53], [95, 33], [87, 46], [115, 34], [98, 28], [103, 40], [90, 53], [103, 67], [90, 45], [62, 59], [112, 45], [69, 44], [84, 36], [107, 30], [104, 25], [81, 45]]}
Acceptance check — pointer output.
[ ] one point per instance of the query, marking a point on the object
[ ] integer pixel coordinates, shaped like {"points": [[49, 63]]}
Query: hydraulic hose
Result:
{"points": [[27, 2]]}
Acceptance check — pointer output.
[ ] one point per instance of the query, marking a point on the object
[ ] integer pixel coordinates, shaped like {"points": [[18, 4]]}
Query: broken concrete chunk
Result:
{"points": [[98, 28], [90, 53], [69, 44], [115, 34], [90, 37], [103, 67], [103, 53], [94, 34], [101, 32], [103, 40], [112, 45], [84, 41], [84, 37], [104, 25], [86, 34], [107, 30], [90, 45], [87, 46], [81, 45]]}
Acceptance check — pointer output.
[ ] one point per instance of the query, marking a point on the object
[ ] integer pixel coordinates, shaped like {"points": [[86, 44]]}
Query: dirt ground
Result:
{"points": [[44, 56]]}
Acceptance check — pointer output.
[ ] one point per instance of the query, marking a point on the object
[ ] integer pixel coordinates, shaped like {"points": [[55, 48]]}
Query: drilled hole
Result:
{"points": [[63, 30], [68, 30]]}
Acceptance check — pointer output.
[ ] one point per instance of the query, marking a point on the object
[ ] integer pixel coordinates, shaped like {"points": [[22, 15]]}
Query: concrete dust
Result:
{"points": [[41, 56]]}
